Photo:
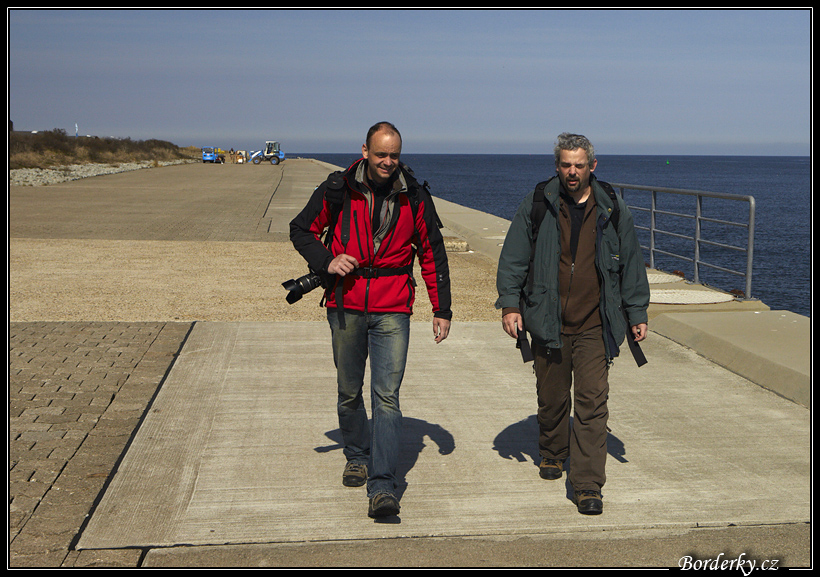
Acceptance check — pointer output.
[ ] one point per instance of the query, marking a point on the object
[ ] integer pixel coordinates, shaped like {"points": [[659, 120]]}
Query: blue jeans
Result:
{"points": [[385, 337]]}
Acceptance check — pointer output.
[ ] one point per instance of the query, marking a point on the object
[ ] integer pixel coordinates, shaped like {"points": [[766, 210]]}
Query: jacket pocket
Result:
{"points": [[612, 298], [540, 313], [613, 276]]}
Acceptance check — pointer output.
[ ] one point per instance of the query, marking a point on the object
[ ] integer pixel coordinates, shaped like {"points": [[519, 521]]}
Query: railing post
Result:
{"points": [[652, 230], [750, 247], [698, 214]]}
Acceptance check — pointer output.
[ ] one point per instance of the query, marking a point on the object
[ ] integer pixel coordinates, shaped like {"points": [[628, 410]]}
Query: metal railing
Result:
{"points": [[698, 217]]}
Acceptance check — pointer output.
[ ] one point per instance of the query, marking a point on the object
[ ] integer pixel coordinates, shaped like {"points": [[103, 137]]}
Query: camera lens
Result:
{"points": [[298, 287]]}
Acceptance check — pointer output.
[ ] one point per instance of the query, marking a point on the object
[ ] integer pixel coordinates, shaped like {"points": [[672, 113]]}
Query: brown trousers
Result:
{"points": [[582, 355]]}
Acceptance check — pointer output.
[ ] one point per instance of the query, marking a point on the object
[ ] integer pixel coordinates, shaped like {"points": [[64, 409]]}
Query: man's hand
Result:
{"points": [[512, 323], [441, 328], [639, 331], [342, 265]]}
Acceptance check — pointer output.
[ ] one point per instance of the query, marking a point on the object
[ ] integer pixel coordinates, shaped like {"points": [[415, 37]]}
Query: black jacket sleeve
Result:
{"points": [[435, 268], [306, 231]]}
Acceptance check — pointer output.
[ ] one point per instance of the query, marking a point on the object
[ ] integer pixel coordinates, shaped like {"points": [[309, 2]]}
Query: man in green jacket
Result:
{"points": [[576, 290]]}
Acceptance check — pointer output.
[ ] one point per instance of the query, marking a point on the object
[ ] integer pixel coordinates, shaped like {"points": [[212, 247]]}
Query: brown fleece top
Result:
{"points": [[578, 284]]}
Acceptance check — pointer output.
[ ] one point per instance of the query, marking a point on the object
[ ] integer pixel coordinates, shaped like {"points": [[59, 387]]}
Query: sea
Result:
{"points": [[780, 186]]}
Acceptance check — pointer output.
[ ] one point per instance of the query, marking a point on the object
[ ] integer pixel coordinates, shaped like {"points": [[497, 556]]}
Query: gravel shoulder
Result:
{"points": [[46, 176], [126, 280], [87, 256]]}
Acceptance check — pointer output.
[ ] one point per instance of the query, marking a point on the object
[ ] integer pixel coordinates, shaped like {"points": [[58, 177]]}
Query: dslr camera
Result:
{"points": [[297, 288]]}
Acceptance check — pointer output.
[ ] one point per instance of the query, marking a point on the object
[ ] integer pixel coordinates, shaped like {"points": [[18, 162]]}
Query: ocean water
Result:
{"points": [[781, 187]]}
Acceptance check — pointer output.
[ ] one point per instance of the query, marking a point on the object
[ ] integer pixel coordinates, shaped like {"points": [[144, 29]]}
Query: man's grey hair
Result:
{"points": [[568, 141]]}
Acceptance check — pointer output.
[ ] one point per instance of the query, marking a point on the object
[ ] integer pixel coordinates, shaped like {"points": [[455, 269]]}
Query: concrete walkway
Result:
{"points": [[215, 443], [241, 446]]}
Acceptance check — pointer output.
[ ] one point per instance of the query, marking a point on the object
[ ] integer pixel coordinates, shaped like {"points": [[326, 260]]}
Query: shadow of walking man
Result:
{"points": [[415, 432], [519, 441]]}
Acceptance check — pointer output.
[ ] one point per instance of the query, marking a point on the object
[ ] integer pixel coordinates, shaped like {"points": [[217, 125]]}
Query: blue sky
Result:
{"points": [[504, 81]]}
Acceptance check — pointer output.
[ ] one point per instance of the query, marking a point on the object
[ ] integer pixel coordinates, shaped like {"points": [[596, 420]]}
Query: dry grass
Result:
{"points": [[55, 148]]}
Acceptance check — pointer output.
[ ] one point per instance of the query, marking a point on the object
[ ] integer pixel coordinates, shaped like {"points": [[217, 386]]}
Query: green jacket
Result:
{"points": [[619, 263]]}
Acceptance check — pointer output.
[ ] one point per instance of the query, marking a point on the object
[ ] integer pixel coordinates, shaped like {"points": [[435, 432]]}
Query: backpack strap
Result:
{"points": [[537, 214], [337, 199], [428, 198], [339, 203], [539, 210], [413, 190], [634, 347], [616, 210]]}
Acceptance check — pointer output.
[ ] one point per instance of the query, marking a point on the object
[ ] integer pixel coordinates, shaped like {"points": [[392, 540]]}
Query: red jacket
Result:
{"points": [[379, 284]]}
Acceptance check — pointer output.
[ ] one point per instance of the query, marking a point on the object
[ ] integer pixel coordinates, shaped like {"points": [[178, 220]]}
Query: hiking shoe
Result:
{"points": [[550, 469], [355, 474], [383, 505], [588, 502]]}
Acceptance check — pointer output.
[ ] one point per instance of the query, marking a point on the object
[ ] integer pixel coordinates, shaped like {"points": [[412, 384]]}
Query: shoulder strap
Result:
{"points": [[337, 199], [539, 209], [634, 347], [616, 211], [429, 198], [413, 190], [537, 214], [539, 206]]}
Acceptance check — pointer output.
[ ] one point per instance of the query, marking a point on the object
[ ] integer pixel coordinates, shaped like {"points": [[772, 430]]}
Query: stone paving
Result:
{"points": [[77, 392]]}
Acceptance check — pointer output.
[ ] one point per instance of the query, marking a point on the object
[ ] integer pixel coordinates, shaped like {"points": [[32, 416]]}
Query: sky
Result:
{"points": [[734, 82]]}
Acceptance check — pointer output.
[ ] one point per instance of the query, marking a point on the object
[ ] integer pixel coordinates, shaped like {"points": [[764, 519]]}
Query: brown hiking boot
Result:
{"points": [[588, 502], [355, 474], [383, 505], [551, 469]]}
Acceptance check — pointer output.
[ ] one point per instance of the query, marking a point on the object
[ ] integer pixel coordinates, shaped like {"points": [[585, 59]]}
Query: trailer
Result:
{"points": [[271, 153]]}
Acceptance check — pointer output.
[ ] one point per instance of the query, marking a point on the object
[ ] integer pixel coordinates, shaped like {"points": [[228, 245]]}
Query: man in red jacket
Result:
{"points": [[378, 217]]}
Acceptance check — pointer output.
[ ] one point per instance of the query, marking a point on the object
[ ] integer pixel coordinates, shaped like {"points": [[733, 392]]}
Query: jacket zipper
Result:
{"points": [[388, 238], [569, 290], [372, 257], [361, 251]]}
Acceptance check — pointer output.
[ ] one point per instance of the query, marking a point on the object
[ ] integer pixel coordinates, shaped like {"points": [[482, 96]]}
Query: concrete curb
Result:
{"points": [[770, 348]]}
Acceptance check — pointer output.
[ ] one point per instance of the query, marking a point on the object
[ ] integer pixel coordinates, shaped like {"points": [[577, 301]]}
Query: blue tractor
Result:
{"points": [[271, 153]]}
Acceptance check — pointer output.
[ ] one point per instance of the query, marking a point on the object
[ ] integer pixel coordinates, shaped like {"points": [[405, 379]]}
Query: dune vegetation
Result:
{"points": [[52, 148]]}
